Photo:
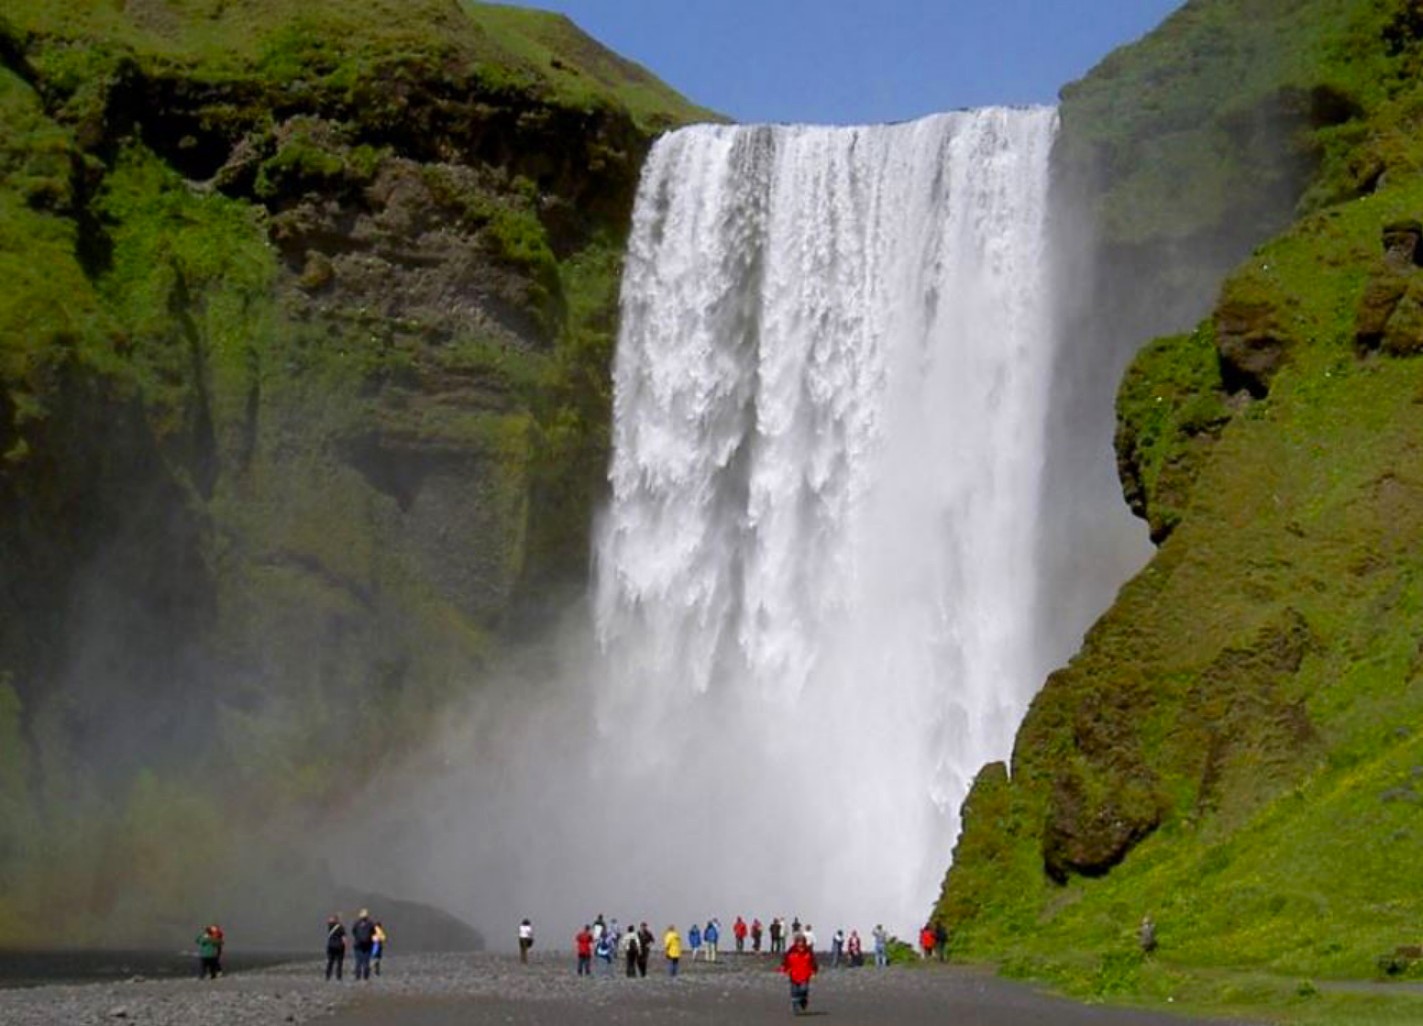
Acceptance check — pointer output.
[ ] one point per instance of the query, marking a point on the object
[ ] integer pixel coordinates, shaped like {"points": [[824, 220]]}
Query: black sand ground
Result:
{"points": [[475, 990]]}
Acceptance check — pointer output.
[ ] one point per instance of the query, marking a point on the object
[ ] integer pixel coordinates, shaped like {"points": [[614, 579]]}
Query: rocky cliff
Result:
{"points": [[1234, 751], [305, 316]]}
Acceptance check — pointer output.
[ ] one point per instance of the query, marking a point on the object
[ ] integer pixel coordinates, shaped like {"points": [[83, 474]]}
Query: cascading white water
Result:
{"points": [[816, 578]]}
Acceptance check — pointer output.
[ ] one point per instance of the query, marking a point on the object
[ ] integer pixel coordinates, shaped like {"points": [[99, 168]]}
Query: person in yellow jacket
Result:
{"points": [[672, 948]]}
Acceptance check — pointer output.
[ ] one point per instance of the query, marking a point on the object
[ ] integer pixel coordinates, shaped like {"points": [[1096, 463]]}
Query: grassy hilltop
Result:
{"points": [[304, 330], [1237, 749]]}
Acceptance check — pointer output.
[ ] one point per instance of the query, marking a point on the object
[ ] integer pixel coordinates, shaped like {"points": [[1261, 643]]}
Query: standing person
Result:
{"points": [[855, 949], [335, 947], [363, 940], [837, 947], [795, 927], [710, 936], [799, 966], [941, 941], [630, 945], [598, 928], [738, 930], [645, 939], [927, 940], [605, 949], [378, 952], [809, 932], [694, 940], [776, 935], [756, 935], [672, 948], [209, 954], [881, 936], [583, 948], [526, 940]]}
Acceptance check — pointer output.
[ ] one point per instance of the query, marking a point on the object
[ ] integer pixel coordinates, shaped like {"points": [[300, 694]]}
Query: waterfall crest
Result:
{"points": [[816, 581]]}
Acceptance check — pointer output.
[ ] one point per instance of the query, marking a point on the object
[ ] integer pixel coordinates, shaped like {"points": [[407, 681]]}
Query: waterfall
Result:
{"points": [[815, 580]]}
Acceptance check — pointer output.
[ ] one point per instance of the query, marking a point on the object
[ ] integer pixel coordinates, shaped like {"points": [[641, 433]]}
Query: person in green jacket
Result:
{"points": [[210, 952]]}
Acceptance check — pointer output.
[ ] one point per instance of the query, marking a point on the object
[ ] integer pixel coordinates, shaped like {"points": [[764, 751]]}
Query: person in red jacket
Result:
{"points": [[927, 940], [583, 948], [738, 930], [799, 965]]}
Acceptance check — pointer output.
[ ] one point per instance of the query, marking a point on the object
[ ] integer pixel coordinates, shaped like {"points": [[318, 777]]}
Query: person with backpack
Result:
{"points": [[799, 965], [630, 946], [335, 947], [604, 949], [645, 941], [363, 940]]}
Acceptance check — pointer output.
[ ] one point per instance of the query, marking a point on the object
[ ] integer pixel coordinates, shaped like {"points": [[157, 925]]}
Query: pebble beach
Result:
{"points": [[473, 989]]}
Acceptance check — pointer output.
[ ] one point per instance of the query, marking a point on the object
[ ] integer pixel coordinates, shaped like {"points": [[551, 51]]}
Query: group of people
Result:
{"points": [[934, 941], [604, 943], [367, 941]]}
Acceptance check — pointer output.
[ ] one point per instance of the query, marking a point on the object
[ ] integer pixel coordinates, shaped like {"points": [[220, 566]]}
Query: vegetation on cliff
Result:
{"points": [[1235, 750], [303, 357]]}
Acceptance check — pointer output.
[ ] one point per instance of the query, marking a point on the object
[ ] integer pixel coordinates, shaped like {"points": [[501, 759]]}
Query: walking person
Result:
{"points": [[583, 948], [672, 949], [927, 941], [335, 947], [645, 939], [209, 953], [941, 941], [629, 946], [363, 940], [378, 951], [837, 947], [799, 965], [855, 949], [605, 948], [526, 940], [881, 936]]}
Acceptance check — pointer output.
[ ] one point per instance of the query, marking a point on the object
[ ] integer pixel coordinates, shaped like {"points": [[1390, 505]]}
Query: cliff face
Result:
{"points": [[304, 330], [1234, 750]]}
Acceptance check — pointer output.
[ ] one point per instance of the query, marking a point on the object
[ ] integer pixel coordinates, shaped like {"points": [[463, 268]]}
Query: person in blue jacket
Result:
{"points": [[710, 936], [694, 940]]}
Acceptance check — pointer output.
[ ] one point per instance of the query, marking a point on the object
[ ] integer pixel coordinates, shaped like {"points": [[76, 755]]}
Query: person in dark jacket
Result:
{"points": [[335, 947], [799, 965], [645, 940], [363, 941]]}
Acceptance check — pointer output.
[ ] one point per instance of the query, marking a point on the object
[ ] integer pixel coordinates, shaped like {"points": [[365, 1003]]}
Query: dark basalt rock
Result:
{"points": [[1252, 342]]}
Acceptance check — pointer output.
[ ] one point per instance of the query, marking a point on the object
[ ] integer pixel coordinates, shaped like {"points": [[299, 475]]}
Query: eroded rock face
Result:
{"points": [[1389, 317], [1253, 343]]}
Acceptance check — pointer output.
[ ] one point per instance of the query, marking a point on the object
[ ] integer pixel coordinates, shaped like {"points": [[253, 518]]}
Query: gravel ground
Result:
{"points": [[469, 990]]}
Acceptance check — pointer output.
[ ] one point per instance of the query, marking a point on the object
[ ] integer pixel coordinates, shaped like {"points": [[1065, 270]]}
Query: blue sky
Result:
{"points": [[857, 61]]}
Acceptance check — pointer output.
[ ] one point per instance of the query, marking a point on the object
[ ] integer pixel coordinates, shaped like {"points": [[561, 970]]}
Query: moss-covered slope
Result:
{"points": [[1235, 750], [305, 316]]}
